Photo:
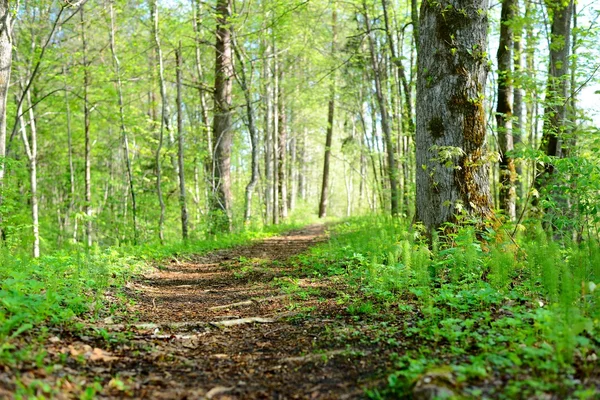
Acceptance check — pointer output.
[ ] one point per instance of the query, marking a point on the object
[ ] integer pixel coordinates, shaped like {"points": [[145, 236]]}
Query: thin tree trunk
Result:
{"points": [[282, 151], [507, 172], [518, 120], [330, 121], [5, 69], [88, 149], [245, 85], [222, 127], [180, 147], [163, 96], [556, 103], [72, 192], [267, 133], [274, 140], [293, 171], [123, 128], [385, 120]]}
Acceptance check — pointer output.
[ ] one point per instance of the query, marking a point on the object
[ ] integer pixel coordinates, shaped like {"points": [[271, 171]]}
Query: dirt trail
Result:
{"points": [[183, 347]]}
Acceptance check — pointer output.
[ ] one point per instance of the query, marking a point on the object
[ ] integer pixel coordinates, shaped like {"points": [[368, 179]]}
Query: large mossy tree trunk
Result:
{"points": [[222, 130], [452, 162]]}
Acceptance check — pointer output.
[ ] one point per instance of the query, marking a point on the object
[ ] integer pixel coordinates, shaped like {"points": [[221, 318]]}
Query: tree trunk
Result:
{"points": [[180, 143], [88, 148], [72, 192], [267, 98], [293, 172], [163, 97], [330, 121], [452, 163], [5, 68], [123, 128], [556, 104], [518, 120], [254, 134], [282, 149], [507, 172], [30, 144], [222, 128], [385, 119]]}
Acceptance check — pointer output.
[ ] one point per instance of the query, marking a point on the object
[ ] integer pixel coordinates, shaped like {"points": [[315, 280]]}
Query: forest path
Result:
{"points": [[242, 323]]}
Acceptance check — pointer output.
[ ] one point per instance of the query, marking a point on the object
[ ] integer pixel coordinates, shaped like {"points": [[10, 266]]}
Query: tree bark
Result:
{"points": [[222, 128], [518, 120], [452, 163], [330, 121], [5, 69], [504, 111], [267, 100], [385, 119], [282, 149], [556, 104], [88, 147], [123, 128], [252, 130], [180, 147], [163, 97]]}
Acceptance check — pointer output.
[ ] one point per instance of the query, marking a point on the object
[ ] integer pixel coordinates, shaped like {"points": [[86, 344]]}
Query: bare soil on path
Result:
{"points": [[242, 323]]}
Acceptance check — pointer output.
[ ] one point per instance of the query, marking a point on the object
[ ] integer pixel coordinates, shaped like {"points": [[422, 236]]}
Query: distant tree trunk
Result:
{"points": [[518, 120], [163, 97], [245, 84], [274, 139], [385, 119], [30, 144], [207, 137], [556, 104], [293, 171], [122, 122], [303, 166], [88, 148], [507, 172], [72, 191], [329, 134], [282, 149], [5, 68], [452, 174], [181, 143], [268, 147], [222, 129]]}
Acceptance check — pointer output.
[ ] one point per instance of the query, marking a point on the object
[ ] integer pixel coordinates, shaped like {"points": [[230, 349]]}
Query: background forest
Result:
{"points": [[458, 142]]}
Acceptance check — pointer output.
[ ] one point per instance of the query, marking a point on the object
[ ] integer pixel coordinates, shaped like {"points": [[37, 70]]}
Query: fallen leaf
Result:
{"points": [[218, 390], [101, 355]]}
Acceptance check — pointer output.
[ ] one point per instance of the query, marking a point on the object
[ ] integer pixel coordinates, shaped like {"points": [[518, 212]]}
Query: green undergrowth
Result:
{"points": [[479, 315], [68, 286]]}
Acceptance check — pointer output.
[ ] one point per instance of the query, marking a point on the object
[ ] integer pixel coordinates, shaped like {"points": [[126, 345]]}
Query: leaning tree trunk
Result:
{"points": [[452, 174], [504, 111], [222, 132]]}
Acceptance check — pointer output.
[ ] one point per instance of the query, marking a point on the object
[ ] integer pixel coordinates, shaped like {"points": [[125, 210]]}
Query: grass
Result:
{"points": [[492, 317]]}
